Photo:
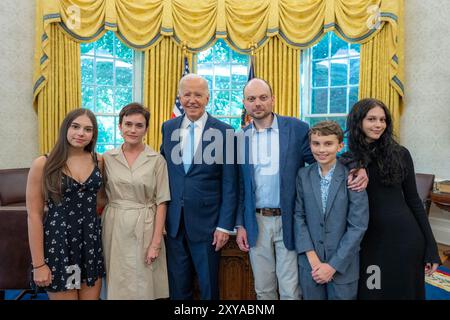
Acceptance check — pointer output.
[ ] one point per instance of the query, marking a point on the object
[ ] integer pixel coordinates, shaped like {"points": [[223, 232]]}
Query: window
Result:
{"points": [[330, 80], [227, 72], [109, 80]]}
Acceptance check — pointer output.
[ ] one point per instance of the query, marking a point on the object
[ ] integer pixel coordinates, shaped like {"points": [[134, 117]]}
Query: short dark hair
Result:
{"points": [[327, 128], [134, 108]]}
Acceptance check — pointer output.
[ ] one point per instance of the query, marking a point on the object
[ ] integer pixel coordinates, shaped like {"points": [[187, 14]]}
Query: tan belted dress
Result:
{"points": [[128, 220]]}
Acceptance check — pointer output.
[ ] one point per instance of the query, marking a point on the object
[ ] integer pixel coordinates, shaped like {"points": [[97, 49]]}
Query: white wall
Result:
{"points": [[425, 124], [18, 121]]}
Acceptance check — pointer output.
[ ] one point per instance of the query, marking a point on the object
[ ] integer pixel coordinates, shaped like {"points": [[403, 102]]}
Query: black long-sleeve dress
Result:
{"points": [[398, 240]]}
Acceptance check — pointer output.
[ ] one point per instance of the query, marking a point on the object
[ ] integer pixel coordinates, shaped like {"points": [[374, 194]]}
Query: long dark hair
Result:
{"points": [[385, 152], [57, 158]]}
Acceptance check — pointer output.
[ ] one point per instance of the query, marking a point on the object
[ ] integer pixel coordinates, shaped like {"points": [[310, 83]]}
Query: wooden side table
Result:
{"points": [[235, 274], [442, 201]]}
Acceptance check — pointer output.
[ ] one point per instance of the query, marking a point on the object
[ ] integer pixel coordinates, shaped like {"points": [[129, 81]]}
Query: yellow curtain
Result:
{"points": [[280, 66], [63, 90], [297, 24], [142, 23], [375, 79], [162, 71]]}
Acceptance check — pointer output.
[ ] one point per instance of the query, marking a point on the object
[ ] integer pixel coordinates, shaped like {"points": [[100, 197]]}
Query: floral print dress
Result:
{"points": [[72, 235]]}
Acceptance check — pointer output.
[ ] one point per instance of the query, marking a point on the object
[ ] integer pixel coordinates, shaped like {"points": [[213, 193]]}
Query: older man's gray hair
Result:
{"points": [[191, 76]]}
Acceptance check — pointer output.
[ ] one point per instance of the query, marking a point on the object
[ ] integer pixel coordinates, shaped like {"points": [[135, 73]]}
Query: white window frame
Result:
{"points": [[137, 83], [307, 85], [230, 65]]}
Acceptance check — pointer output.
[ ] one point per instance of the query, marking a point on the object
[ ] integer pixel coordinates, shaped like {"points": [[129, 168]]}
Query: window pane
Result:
{"points": [[221, 52], [119, 138], [320, 73], [239, 76], [124, 73], [123, 52], [319, 101], [313, 121], [87, 70], [338, 100], [124, 96], [320, 50], [105, 71], [239, 58], [205, 56], [210, 107], [105, 130], [340, 120], [87, 48], [354, 49], [221, 102], [105, 45], [339, 72], [333, 80], [226, 72], [353, 97], [222, 76], [236, 103], [87, 94], [102, 148], [235, 123], [105, 100], [205, 69], [354, 71], [339, 47]]}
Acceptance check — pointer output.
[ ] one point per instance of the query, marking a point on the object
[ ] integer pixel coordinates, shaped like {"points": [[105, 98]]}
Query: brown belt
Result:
{"points": [[269, 212]]}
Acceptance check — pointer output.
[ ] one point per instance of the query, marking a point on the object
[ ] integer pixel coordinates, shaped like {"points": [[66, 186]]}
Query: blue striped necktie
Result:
{"points": [[188, 148]]}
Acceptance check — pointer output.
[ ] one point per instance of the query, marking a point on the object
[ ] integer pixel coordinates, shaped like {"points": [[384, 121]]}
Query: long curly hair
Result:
{"points": [[385, 152]]}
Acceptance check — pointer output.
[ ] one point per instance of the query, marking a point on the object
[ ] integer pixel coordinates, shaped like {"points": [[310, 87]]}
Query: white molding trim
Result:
{"points": [[138, 76], [441, 230]]}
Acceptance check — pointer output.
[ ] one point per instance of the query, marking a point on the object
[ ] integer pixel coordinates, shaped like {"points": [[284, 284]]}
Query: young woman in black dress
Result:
{"points": [[65, 242], [398, 248]]}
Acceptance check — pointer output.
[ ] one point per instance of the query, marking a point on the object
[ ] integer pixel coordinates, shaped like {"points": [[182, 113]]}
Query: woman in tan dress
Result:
{"points": [[137, 188]]}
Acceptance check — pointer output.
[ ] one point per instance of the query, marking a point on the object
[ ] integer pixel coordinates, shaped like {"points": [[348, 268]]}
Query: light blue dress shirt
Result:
{"points": [[266, 165], [325, 185]]}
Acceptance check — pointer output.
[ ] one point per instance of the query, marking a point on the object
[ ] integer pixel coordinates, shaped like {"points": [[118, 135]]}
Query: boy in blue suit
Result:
{"points": [[329, 222]]}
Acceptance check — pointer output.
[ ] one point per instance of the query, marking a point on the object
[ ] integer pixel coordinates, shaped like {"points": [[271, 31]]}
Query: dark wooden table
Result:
{"points": [[442, 201]]}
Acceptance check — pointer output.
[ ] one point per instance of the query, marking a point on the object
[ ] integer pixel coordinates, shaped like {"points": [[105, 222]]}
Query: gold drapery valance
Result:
{"points": [[141, 24]]}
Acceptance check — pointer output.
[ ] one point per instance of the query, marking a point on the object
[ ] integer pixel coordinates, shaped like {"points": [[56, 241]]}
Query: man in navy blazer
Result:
{"points": [[203, 189], [267, 192], [267, 178]]}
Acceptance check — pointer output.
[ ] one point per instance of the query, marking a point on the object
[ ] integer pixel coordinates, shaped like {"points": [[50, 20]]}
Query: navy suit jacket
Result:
{"points": [[336, 234], [294, 152], [207, 193]]}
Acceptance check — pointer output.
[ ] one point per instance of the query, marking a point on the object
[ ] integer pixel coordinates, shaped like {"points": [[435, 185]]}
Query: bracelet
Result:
{"points": [[34, 268], [155, 247]]}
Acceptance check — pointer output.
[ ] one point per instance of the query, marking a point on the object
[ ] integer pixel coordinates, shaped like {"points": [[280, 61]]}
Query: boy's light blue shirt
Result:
{"points": [[325, 185]]}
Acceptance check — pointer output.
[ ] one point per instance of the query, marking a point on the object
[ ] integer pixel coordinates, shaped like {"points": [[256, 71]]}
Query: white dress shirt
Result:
{"points": [[199, 125]]}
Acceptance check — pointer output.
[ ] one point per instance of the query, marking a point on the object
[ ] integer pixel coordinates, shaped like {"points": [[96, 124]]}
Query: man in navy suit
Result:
{"points": [[203, 188], [270, 152]]}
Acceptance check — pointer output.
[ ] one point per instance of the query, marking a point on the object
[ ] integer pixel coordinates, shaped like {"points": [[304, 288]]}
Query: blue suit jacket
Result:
{"points": [[336, 234], [207, 192], [294, 152]]}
